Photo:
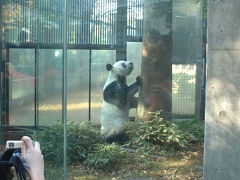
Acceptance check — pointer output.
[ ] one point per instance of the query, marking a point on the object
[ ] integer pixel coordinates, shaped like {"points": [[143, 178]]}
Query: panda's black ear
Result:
{"points": [[109, 67]]}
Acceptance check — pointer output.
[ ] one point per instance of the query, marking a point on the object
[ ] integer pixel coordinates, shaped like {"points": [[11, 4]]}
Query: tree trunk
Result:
{"points": [[156, 65]]}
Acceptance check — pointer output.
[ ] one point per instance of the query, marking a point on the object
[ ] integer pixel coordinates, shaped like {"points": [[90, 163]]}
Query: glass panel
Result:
{"points": [[187, 30], [99, 76], [50, 86], [78, 85], [50, 62], [21, 87], [26, 24], [132, 55], [132, 48], [187, 57]]}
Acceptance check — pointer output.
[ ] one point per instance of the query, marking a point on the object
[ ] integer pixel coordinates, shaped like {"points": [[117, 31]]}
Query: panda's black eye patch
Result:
{"points": [[124, 65]]}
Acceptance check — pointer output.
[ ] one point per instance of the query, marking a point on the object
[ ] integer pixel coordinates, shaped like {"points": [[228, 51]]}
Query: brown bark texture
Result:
{"points": [[156, 65]]}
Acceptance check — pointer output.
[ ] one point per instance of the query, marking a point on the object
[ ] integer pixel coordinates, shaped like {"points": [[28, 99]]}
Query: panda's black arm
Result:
{"points": [[132, 89]]}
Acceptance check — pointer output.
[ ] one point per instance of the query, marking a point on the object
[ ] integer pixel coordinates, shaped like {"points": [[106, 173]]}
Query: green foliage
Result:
{"points": [[204, 5], [157, 135], [81, 138], [195, 128], [106, 157]]}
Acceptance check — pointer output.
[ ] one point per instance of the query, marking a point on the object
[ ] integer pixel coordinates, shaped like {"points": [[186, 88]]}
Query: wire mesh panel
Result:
{"points": [[28, 21], [103, 22], [88, 21], [183, 89], [78, 19], [135, 18]]}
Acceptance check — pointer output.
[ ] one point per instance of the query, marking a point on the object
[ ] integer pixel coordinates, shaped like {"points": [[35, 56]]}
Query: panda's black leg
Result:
{"points": [[119, 138], [133, 102]]}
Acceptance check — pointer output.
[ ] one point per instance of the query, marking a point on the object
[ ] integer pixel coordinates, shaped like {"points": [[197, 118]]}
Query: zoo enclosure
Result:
{"points": [[98, 32]]}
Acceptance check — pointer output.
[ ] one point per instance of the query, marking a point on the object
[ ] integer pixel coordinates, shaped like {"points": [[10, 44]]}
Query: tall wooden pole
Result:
{"points": [[156, 65]]}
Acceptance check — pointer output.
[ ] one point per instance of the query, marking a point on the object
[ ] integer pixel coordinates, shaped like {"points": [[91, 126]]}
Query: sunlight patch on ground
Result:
{"points": [[58, 107], [180, 163]]}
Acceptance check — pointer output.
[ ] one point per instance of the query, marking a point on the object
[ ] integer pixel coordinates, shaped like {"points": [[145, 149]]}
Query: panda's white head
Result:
{"points": [[120, 68]]}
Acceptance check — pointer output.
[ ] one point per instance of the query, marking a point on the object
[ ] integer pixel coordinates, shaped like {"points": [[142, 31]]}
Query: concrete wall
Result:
{"points": [[222, 133]]}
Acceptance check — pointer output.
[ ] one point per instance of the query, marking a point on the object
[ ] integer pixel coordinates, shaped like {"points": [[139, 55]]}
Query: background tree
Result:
{"points": [[156, 63]]}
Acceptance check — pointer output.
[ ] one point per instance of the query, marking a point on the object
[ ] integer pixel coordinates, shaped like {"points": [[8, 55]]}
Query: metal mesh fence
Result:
{"points": [[88, 21], [183, 89]]}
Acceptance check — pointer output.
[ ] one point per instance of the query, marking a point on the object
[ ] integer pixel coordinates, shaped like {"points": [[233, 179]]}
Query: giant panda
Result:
{"points": [[118, 98]]}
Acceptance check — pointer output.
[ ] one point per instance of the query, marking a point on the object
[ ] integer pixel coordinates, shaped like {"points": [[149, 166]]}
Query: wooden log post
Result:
{"points": [[156, 65]]}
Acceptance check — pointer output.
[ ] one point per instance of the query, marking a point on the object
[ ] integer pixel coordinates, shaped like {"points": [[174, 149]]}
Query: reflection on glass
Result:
{"points": [[78, 85], [50, 86], [187, 32], [99, 75], [132, 55], [164, 43], [21, 87]]}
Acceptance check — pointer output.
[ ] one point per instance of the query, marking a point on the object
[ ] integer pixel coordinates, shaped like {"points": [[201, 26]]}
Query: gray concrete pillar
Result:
{"points": [[222, 132], [121, 52]]}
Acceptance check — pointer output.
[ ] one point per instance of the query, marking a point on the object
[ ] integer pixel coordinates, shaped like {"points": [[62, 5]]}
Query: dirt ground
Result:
{"points": [[183, 165]]}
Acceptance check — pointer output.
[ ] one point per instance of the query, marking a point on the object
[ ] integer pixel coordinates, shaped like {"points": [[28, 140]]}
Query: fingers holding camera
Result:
{"points": [[10, 173], [23, 149], [27, 141], [32, 155], [37, 146]]}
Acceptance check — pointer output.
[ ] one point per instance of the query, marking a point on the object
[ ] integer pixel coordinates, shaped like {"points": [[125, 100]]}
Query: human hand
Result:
{"points": [[32, 155], [10, 173]]}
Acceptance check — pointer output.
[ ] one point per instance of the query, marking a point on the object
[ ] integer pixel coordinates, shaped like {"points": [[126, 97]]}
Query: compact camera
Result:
{"points": [[11, 144], [12, 157]]}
